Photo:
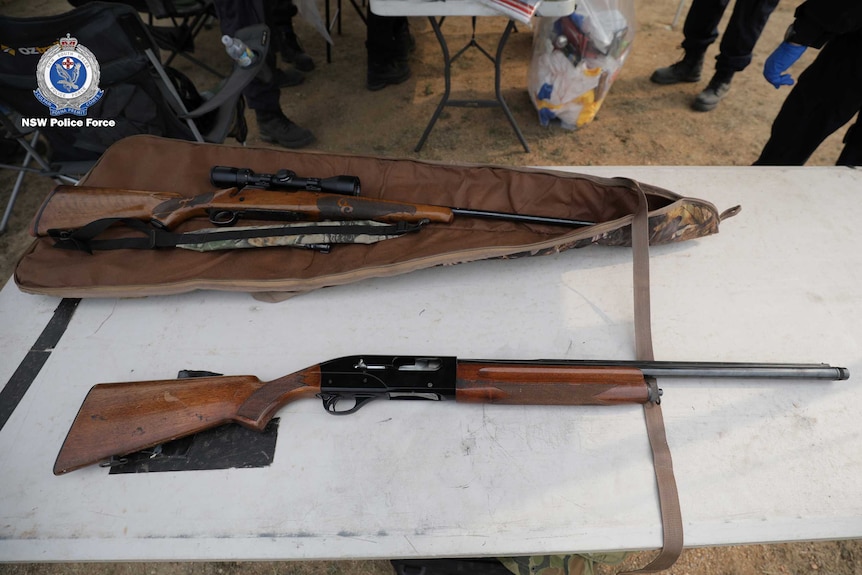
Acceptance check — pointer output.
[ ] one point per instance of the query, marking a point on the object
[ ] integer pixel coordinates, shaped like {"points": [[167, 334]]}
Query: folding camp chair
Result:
{"points": [[187, 18], [140, 95]]}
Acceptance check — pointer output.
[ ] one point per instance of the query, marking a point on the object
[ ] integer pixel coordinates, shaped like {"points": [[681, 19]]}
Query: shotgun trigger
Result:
{"points": [[330, 402]]}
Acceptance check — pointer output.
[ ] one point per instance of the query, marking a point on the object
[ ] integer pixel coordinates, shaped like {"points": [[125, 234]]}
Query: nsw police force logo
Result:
{"points": [[68, 78]]}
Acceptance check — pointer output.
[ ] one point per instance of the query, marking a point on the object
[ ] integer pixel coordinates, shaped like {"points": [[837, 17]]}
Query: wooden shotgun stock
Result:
{"points": [[121, 418]]}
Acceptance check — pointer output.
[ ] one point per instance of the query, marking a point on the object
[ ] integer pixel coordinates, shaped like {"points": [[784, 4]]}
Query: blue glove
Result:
{"points": [[779, 61]]}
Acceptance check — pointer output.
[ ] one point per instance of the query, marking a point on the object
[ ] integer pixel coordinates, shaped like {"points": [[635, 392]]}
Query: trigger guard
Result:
{"points": [[330, 400], [223, 217]]}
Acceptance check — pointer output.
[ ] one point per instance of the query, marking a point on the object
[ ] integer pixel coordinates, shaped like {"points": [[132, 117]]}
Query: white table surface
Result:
{"points": [[550, 8], [755, 462]]}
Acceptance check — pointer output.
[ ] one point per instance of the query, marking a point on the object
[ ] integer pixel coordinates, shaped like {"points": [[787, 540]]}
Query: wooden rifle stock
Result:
{"points": [[72, 207], [120, 418]]}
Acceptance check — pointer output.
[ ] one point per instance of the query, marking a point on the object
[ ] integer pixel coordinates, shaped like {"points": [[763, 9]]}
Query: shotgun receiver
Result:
{"points": [[73, 207], [121, 418]]}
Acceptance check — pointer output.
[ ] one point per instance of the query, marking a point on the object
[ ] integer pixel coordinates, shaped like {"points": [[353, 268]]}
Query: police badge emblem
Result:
{"points": [[68, 78]]}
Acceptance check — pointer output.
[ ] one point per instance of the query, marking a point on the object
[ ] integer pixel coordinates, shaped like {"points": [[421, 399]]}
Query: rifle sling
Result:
{"points": [[151, 237], [671, 516]]}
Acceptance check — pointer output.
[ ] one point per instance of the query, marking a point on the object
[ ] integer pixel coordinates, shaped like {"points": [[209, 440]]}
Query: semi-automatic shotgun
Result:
{"points": [[121, 418]]}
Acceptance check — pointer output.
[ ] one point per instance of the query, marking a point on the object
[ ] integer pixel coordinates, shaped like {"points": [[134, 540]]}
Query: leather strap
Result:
{"points": [[669, 507]]}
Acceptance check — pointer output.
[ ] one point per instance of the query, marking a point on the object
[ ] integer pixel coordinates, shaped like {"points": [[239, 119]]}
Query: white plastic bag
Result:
{"points": [[309, 12], [576, 59]]}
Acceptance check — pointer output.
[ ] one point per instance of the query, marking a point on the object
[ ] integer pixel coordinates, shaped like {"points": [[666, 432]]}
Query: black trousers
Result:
{"points": [[387, 38], [236, 14], [826, 96], [746, 23]]}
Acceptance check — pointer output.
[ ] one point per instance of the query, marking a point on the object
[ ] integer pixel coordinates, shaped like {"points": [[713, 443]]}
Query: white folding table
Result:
{"points": [[755, 462], [436, 11]]}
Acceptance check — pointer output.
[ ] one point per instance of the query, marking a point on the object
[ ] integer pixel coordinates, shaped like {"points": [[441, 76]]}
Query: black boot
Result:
{"points": [[276, 128], [686, 70], [382, 74], [291, 50], [717, 89]]}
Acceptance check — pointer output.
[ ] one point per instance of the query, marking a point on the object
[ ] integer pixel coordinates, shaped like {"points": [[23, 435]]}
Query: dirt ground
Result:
{"points": [[640, 123]]}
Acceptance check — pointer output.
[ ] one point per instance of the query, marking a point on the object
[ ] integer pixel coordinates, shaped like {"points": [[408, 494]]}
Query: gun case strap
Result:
{"points": [[671, 515]]}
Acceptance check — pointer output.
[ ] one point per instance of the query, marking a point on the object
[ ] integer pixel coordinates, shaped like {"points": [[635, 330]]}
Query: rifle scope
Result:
{"points": [[227, 177]]}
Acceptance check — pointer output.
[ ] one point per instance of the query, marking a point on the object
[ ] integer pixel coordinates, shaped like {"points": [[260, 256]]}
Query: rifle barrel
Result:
{"points": [[525, 218]]}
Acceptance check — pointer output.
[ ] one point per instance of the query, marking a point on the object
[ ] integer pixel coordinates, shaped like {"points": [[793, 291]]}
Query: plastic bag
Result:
{"points": [[576, 59], [309, 12]]}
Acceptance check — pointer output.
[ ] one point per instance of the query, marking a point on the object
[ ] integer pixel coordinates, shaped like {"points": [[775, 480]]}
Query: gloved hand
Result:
{"points": [[779, 61]]}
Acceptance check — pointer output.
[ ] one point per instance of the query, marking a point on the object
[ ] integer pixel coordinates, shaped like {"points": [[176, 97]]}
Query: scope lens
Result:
{"points": [[345, 185], [225, 176]]}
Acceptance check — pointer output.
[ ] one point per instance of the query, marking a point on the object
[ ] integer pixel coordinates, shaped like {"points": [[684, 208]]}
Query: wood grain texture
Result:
{"points": [[527, 384], [120, 418], [71, 207], [311, 206]]}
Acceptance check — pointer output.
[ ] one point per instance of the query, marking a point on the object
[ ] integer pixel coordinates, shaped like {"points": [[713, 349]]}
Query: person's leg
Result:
{"points": [[385, 44], [236, 14], [699, 31], [262, 96], [744, 28], [701, 24], [826, 96], [747, 21], [851, 155], [285, 39]]}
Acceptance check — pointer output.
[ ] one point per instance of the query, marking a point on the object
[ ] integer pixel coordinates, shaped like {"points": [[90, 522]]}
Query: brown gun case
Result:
{"points": [[163, 165]]}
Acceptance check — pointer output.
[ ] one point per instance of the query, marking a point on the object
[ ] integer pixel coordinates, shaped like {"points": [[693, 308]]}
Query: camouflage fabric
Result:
{"points": [[575, 564], [685, 220], [313, 235]]}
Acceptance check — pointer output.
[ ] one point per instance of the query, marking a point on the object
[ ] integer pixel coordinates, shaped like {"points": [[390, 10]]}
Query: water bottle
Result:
{"points": [[236, 49]]}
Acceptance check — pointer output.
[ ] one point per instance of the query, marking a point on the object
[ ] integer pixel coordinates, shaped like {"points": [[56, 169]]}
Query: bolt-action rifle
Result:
{"points": [[121, 418], [251, 196]]}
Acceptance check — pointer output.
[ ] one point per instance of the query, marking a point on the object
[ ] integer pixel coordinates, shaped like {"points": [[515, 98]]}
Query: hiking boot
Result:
{"points": [[292, 52], [275, 128], [381, 75], [287, 78], [717, 89], [686, 70]]}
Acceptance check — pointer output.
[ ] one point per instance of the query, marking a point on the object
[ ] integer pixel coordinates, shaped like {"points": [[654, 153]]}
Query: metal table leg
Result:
{"points": [[335, 20], [498, 102]]}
